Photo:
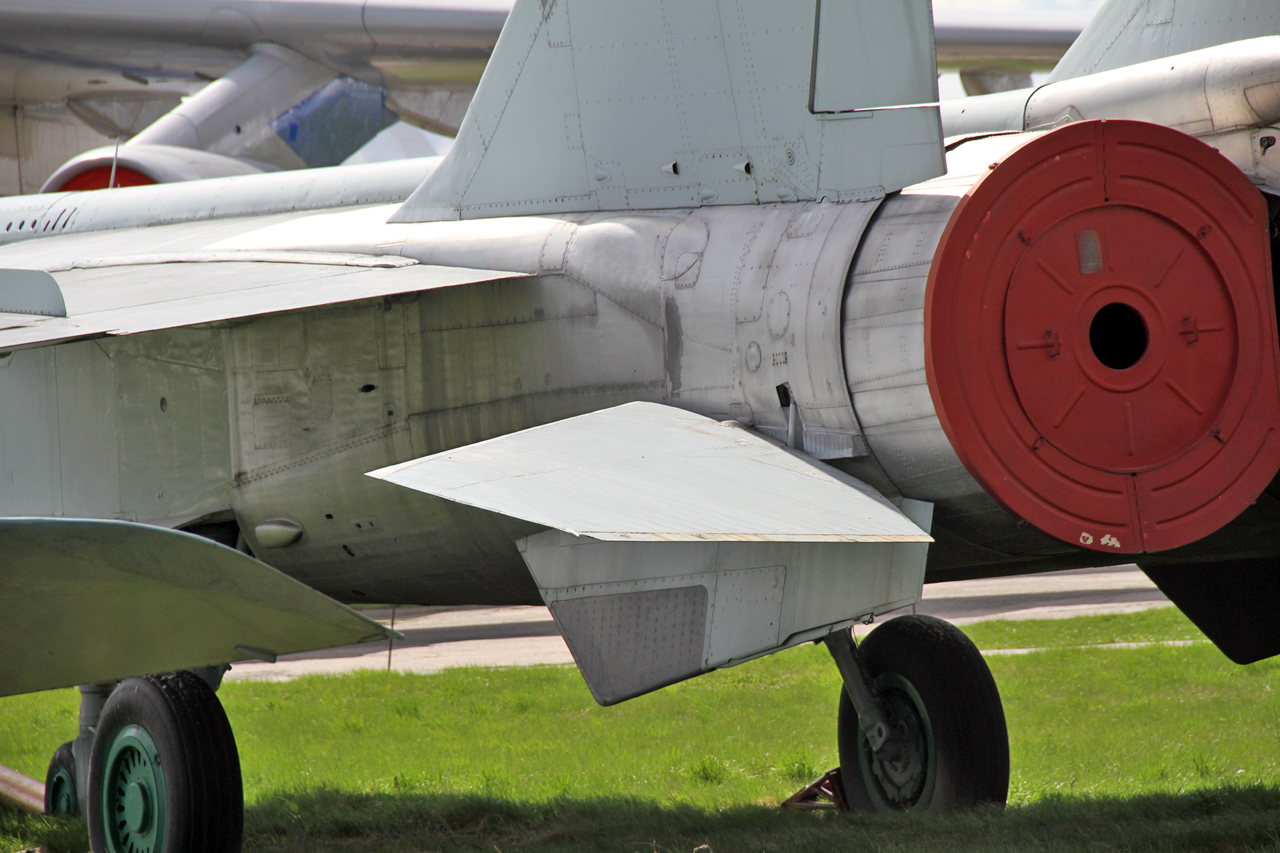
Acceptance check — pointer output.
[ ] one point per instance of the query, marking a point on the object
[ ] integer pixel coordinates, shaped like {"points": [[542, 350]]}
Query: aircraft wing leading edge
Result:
{"points": [[94, 600], [133, 294]]}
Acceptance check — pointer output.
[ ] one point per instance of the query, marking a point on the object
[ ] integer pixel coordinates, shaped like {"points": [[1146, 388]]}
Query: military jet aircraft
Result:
{"points": [[705, 333]]}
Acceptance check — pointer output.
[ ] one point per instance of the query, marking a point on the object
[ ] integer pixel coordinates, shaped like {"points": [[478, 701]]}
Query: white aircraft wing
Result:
{"points": [[206, 604], [127, 295], [648, 472]]}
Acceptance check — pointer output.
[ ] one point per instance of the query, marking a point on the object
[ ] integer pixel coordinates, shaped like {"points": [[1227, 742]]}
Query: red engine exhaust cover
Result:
{"points": [[1100, 337]]}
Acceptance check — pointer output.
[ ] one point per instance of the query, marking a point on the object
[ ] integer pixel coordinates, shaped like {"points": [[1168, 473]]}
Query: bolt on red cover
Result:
{"points": [[1100, 336]]}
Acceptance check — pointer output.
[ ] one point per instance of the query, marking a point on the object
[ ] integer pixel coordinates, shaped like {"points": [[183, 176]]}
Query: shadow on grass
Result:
{"points": [[1221, 819], [1215, 819]]}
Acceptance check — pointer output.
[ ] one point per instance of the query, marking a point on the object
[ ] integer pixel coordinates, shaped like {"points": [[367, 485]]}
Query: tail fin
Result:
{"points": [[1126, 32], [642, 104]]}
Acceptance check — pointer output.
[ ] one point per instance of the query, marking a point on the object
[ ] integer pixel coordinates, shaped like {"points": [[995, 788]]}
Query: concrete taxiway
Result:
{"points": [[440, 637]]}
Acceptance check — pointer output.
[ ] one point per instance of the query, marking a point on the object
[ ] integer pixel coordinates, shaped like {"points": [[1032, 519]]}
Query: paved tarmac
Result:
{"points": [[440, 637]]}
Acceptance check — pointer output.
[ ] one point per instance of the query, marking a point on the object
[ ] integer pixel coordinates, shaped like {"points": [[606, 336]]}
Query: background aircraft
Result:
{"points": [[306, 84], [716, 338]]}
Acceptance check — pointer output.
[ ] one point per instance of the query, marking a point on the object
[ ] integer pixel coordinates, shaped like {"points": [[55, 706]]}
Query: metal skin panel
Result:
{"points": [[724, 355], [647, 472], [128, 299], [604, 325], [884, 33], [30, 292], [1214, 90], [134, 429], [755, 598], [1124, 32], [626, 643], [26, 217], [167, 600], [549, 131], [1228, 95]]}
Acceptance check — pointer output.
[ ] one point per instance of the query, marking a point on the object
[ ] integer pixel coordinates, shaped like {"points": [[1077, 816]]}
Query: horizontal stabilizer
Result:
{"points": [[87, 600], [648, 472], [142, 293]]}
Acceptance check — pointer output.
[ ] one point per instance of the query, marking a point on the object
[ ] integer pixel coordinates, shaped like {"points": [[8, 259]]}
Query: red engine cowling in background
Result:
{"points": [[99, 177], [1100, 337]]}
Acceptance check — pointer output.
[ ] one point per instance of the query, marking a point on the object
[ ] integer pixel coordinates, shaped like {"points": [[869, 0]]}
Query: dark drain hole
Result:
{"points": [[1118, 336]]}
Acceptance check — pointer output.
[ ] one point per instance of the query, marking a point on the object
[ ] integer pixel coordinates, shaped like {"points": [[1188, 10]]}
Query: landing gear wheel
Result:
{"points": [[946, 708], [164, 775], [60, 783]]}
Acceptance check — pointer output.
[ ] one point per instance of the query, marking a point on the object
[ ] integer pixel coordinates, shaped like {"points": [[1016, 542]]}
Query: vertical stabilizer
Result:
{"points": [[643, 104], [1126, 32]]}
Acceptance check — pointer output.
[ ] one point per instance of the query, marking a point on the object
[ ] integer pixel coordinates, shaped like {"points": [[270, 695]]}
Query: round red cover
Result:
{"points": [[1100, 336], [97, 177]]}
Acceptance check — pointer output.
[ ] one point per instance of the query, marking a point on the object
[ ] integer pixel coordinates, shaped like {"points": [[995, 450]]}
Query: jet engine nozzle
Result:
{"points": [[1100, 336]]}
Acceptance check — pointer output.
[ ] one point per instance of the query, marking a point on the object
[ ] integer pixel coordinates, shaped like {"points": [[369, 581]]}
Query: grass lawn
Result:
{"points": [[1160, 747]]}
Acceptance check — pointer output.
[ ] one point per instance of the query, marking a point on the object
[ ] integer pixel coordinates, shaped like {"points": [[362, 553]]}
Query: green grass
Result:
{"points": [[1158, 624], [1150, 748]]}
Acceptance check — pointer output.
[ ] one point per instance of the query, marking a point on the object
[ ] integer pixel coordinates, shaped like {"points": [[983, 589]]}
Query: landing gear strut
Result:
{"points": [[920, 726]]}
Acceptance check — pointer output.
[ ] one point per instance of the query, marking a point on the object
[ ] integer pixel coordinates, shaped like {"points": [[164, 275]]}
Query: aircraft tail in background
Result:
{"points": [[1126, 32]]}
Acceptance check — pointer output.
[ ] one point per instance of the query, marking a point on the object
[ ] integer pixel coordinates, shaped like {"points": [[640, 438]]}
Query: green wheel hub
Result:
{"points": [[62, 795], [907, 780], [133, 795]]}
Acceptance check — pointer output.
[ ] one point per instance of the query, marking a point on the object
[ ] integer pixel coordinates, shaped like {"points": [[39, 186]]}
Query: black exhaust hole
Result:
{"points": [[1118, 336]]}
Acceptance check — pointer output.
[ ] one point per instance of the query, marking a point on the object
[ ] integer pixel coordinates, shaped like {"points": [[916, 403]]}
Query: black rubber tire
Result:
{"points": [[970, 742], [203, 794], [62, 764]]}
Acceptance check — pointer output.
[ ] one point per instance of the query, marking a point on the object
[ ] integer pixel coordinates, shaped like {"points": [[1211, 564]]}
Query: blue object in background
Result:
{"points": [[334, 122]]}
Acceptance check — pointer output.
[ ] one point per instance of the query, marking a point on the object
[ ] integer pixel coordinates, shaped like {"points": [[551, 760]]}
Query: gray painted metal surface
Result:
{"points": [[646, 472], [559, 123], [55, 214], [1227, 95], [640, 615], [746, 298], [30, 292], [87, 601], [1124, 32], [127, 298], [1210, 91]]}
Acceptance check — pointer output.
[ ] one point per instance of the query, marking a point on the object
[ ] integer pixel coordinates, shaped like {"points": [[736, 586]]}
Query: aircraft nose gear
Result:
{"points": [[164, 775], [920, 725]]}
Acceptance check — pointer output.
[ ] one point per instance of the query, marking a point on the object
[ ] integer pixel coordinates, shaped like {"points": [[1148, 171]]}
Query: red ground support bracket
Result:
{"points": [[825, 794]]}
